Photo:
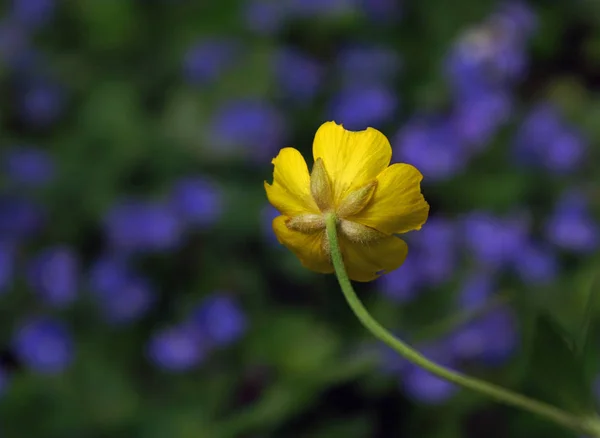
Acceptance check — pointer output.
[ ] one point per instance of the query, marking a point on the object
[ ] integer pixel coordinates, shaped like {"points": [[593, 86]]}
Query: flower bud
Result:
{"points": [[359, 233], [306, 223], [357, 200], [320, 186]]}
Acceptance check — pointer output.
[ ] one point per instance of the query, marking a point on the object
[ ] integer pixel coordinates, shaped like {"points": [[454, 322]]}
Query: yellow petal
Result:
{"points": [[307, 247], [352, 159], [366, 262], [397, 205], [290, 191]]}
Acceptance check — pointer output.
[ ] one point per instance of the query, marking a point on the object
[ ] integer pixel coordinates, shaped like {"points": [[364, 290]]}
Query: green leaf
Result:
{"points": [[557, 370]]}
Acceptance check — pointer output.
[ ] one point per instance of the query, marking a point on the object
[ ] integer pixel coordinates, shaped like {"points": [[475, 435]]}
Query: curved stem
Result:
{"points": [[496, 392]]}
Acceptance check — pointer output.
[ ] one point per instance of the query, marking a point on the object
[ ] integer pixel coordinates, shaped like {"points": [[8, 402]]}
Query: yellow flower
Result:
{"points": [[351, 177]]}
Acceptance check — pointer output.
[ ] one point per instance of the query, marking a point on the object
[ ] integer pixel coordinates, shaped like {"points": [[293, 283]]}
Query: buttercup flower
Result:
{"points": [[351, 178]]}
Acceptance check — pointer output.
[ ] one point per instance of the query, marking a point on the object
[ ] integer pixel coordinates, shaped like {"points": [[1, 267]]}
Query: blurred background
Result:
{"points": [[142, 291]]}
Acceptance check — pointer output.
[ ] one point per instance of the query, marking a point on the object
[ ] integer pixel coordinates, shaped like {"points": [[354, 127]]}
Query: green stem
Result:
{"points": [[496, 392]]}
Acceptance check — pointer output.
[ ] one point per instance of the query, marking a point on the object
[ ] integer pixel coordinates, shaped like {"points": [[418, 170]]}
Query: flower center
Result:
{"points": [[353, 203]]}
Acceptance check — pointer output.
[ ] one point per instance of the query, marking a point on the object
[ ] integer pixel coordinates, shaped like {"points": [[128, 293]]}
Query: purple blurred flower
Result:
{"points": [[298, 75], [517, 18], [175, 349], [42, 103], [358, 108], [137, 225], [433, 146], [424, 387], [19, 217], [135, 297], [385, 11], [108, 274], [268, 214], [494, 241], [14, 42], [491, 338], [536, 264], [207, 60], [33, 13], [197, 201], [219, 319], [250, 126], [368, 65], [435, 251], [264, 16], [564, 153], [490, 54], [478, 117], [28, 166], [320, 8], [7, 261], [122, 296], [54, 275], [476, 291], [43, 345], [571, 226], [403, 284], [543, 139]]}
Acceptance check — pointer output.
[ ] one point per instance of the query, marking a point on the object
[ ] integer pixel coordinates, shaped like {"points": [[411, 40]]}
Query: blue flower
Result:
{"points": [[478, 117], [433, 146], [207, 60], [517, 18], [543, 139], [137, 225], [219, 319], [267, 215], [33, 13], [435, 251], [196, 201], [565, 153], [250, 126], [383, 11], [358, 108], [42, 103], [403, 284], [571, 227], [107, 274], [476, 291], [28, 166], [494, 241], [7, 261], [54, 275], [491, 54], [19, 217], [536, 264], [175, 349], [298, 75], [368, 65], [44, 345], [424, 387], [320, 8], [264, 16], [14, 43], [122, 295], [491, 338]]}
